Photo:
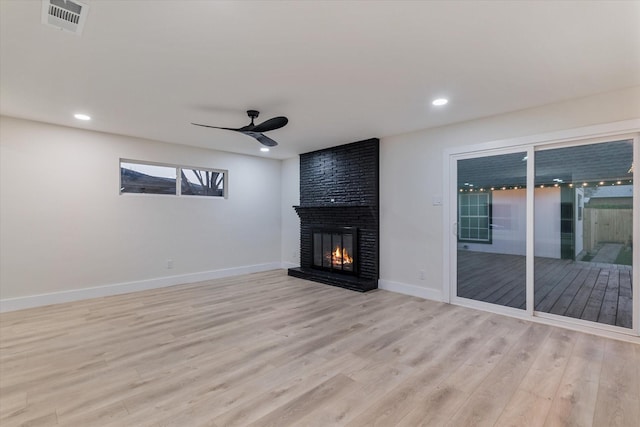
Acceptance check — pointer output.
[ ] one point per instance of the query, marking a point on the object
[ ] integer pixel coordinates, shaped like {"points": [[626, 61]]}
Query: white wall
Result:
{"points": [[290, 220], [65, 227], [411, 174]]}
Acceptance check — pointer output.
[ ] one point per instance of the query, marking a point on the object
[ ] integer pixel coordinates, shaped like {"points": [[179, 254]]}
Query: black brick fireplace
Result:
{"points": [[339, 216]]}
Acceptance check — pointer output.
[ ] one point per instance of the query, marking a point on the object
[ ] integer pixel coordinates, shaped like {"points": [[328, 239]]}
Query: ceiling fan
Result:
{"points": [[256, 131]]}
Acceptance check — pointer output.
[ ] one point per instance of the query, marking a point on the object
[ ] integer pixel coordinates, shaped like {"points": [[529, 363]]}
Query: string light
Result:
{"points": [[555, 183]]}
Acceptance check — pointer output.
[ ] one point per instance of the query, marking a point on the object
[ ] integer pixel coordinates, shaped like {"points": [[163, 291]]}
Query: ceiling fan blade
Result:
{"points": [[264, 140], [271, 124], [218, 127]]}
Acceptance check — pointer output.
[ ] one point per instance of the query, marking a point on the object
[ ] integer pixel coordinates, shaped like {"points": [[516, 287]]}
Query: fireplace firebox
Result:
{"points": [[335, 249]]}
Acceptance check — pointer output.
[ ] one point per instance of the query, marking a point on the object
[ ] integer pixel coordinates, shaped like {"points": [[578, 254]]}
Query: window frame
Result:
{"points": [[488, 216], [178, 168]]}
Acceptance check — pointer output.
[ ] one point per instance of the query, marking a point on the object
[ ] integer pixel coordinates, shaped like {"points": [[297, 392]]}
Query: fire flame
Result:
{"points": [[341, 256]]}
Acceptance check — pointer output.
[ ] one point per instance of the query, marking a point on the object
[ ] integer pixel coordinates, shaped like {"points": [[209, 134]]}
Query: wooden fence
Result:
{"points": [[607, 226]]}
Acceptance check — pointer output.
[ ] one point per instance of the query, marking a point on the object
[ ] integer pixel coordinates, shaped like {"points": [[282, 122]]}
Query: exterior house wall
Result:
{"points": [[547, 222], [509, 224]]}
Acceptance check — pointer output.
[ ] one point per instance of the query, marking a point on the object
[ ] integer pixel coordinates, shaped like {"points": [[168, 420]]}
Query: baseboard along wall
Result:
{"points": [[20, 303]]}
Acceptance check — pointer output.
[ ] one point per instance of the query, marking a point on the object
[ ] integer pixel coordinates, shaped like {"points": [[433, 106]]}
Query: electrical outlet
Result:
{"points": [[169, 264]]}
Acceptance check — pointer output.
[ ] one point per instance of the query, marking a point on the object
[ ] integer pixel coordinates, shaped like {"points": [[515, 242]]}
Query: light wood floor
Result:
{"points": [[271, 350]]}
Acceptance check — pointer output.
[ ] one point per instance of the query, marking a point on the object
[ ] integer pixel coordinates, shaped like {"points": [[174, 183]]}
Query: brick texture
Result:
{"points": [[339, 187]]}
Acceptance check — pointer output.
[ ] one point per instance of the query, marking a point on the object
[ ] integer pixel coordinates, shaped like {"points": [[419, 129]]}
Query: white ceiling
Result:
{"points": [[340, 71]]}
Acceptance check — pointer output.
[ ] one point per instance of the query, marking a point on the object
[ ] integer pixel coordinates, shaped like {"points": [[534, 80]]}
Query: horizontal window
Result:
{"points": [[202, 182], [149, 179], [153, 178]]}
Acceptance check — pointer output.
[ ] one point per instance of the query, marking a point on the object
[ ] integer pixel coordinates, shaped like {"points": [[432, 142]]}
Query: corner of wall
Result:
{"points": [[413, 290], [290, 223]]}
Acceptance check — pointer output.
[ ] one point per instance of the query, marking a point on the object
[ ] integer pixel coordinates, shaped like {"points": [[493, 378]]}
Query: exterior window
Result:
{"points": [[146, 178], [474, 217], [150, 178], [198, 182]]}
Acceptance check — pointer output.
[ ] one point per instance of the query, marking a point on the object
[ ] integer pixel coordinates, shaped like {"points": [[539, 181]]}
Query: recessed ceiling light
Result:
{"points": [[440, 102], [82, 116], [264, 149]]}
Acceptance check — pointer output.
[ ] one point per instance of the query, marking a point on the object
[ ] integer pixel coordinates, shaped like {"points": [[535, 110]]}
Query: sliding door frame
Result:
{"points": [[454, 298], [626, 130]]}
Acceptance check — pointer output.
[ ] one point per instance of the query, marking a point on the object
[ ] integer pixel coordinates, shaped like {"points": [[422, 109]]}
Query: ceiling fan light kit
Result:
{"points": [[256, 131]]}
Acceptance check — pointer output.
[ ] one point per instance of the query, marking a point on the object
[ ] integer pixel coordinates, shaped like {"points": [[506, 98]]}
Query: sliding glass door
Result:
{"points": [[584, 232], [547, 229], [491, 229]]}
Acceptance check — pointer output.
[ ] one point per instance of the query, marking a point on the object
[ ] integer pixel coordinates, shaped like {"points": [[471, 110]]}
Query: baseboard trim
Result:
{"points": [[20, 303], [413, 290], [288, 265]]}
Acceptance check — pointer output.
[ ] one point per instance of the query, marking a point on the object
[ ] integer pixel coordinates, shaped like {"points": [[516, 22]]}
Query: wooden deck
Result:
{"points": [[583, 290]]}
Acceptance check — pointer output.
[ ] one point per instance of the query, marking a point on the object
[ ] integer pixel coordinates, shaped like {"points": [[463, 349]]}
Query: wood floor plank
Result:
{"points": [[280, 388], [556, 289], [398, 402], [618, 401], [594, 303], [609, 308], [579, 302], [574, 402], [439, 405], [561, 305], [269, 349], [334, 388], [488, 401], [524, 409]]}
